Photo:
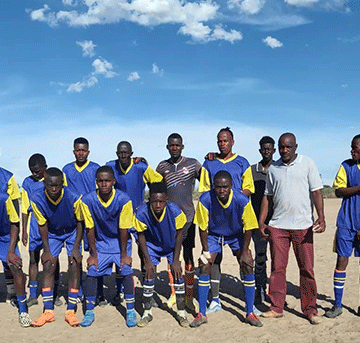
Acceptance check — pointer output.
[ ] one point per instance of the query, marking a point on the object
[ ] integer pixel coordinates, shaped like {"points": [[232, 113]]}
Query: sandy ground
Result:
{"points": [[226, 326]]}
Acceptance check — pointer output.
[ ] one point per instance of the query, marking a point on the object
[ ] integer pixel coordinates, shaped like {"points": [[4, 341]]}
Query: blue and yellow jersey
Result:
{"points": [[81, 180], [132, 181], [237, 166], [349, 213], [160, 233], [236, 216], [107, 218], [8, 184], [7, 215], [61, 216]]}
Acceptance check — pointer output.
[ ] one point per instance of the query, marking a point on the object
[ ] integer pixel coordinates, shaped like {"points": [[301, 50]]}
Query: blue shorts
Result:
{"points": [[4, 247], [56, 244], [35, 242], [105, 263], [216, 243], [346, 242], [155, 256]]}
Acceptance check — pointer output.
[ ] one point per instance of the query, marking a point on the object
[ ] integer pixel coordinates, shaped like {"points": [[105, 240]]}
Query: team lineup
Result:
{"points": [[101, 209]]}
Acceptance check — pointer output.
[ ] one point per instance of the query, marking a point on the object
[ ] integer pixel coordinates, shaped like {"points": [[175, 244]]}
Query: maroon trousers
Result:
{"points": [[302, 241]]}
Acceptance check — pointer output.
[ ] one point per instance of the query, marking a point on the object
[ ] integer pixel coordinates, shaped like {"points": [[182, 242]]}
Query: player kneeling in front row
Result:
{"points": [[159, 225], [225, 216], [108, 215], [9, 252]]}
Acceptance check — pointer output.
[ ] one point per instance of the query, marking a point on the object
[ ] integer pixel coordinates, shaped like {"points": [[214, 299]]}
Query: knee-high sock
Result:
{"points": [[189, 280], [100, 286], [148, 290], [171, 280], [129, 292], [339, 283], [180, 294], [90, 287], [119, 282], [48, 298], [21, 299], [72, 296], [33, 288], [215, 282], [203, 291], [249, 290]]}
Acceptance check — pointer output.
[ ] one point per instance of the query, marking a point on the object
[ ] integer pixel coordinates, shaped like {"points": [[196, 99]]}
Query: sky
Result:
{"points": [[138, 70]]}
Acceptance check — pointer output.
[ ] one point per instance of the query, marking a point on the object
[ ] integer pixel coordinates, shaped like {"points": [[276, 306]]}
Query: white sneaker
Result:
{"points": [[214, 307], [24, 319]]}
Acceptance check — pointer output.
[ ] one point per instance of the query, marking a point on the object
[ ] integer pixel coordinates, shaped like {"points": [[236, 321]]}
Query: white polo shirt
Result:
{"points": [[291, 185]]}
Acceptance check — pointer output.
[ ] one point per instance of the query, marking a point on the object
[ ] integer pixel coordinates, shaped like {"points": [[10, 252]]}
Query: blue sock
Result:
{"points": [[48, 298], [90, 286], [217, 300], [119, 283], [128, 283], [33, 288], [203, 291], [100, 286], [22, 303], [249, 290], [339, 283], [72, 296], [90, 303]]}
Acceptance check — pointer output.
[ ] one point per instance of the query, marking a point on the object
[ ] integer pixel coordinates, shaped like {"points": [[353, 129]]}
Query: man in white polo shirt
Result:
{"points": [[293, 185]]}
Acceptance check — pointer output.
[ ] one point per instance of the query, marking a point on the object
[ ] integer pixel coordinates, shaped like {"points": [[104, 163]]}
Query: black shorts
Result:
{"points": [[188, 233]]}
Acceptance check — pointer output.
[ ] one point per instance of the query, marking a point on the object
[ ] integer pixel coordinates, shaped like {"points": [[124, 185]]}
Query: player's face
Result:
{"points": [[105, 182], [81, 152], [158, 203], [355, 150], [222, 188], [53, 186], [175, 148], [38, 172], [267, 151], [287, 149], [124, 154], [225, 143]]}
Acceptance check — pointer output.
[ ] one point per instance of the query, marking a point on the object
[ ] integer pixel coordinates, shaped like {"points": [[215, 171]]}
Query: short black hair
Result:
{"points": [[227, 129], [223, 174], [174, 136], [266, 140], [81, 140], [355, 138], [53, 171], [287, 134], [104, 169], [37, 160], [124, 142], [157, 187]]}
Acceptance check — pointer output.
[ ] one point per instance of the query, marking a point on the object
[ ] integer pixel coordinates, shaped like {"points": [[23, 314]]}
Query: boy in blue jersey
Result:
{"points": [[159, 226], [131, 175], [108, 215], [80, 178], [347, 239], [225, 216], [58, 212], [240, 171], [9, 253]]}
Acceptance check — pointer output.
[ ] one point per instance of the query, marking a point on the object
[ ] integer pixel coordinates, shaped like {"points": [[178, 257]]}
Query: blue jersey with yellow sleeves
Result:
{"points": [[160, 233], [349, 213], [237, 166], [236, 216], [107, 218], [81, 180], [7, 215], [8, 184], [61, 216], [132, 180]]}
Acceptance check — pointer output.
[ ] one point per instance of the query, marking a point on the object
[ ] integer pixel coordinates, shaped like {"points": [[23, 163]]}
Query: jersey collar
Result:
{"points": [[106, 204], [161, 217], [58, 200], [228, 202], [80, 169], [128, 168], [229, 159]]}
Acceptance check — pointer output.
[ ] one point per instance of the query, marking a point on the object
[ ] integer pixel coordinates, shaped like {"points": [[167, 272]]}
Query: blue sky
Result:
{"points": [[136, 70]]}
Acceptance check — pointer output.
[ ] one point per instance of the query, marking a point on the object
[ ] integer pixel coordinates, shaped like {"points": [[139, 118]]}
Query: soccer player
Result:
{"points": [[108, 215], [347, 186], [225, 216], [80, 178], [159, 225], [259, 172], [240, 171], [58, 212], [179, 173], [131, 176], [9, 253]]}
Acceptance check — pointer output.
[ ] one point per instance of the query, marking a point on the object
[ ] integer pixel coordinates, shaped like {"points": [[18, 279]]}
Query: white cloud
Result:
{"points": [[247, 6], [191, 16], [70, 2], [273, 43], [78, 87], [301, 3], [157, 70], [133, 76], [87, 47], [345, 85], [103, 67]]}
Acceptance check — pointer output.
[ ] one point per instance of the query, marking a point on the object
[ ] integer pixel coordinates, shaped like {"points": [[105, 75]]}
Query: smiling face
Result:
{"points": [[287, 148], [81, 152], [225, 144], [158, 203], [105, 182]]}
